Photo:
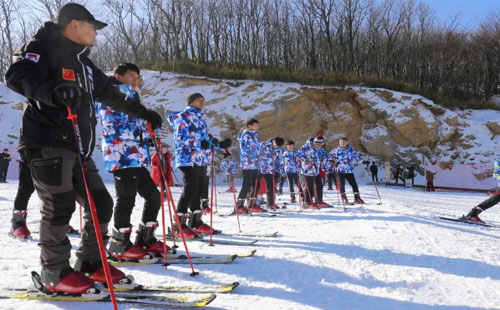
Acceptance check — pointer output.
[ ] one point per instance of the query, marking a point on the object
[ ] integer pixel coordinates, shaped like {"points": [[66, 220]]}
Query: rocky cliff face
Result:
{"points": [[385, 125]]}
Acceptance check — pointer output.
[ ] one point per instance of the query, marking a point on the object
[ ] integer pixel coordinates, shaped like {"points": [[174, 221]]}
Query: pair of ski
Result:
{"points": [[138, 294], [182, 259], [462, 220]]}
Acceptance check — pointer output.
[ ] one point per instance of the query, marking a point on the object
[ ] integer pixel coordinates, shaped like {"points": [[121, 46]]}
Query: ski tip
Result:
{"points": [[208, 300]]}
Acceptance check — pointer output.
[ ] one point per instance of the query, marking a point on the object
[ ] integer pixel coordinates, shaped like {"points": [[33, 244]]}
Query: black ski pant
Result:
{"points": [[229, 178], [249, 178], [313, 189], [331, 179], [193, 179], [205, 185], [24, 189], [128, 183], [282, 181], [490, 202], [292, 178], [375, 177], [352, 181], [3, 171], [269, 179], [58, 180]]}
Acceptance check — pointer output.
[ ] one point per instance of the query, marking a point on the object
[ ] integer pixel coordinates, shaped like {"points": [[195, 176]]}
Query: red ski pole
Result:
{"points": [[169, 194], [93, 211]]}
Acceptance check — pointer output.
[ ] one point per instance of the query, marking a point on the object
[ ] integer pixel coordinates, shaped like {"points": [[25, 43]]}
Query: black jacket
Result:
{"points": [[50, 59]]}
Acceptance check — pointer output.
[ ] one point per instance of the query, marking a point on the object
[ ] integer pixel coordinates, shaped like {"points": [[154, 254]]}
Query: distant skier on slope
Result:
{"points": [[291, 165], [267, 155], [473, 215], [228, 165], [345, 156], [249, 161], [311, 156]]}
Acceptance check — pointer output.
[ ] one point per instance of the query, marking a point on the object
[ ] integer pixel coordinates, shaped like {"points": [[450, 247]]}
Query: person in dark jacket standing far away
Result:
{"points": [[374, 171], [4, 165], [53, 72]]}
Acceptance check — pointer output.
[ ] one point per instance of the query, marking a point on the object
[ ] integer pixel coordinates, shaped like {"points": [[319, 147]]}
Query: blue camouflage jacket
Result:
{"points": [[228, 165], [266, 157], [279, 161], [311, 158], [249, 150], [290, 161], [327, 166], [344, 158], [189, 130], [496, 172], [124, 138]]}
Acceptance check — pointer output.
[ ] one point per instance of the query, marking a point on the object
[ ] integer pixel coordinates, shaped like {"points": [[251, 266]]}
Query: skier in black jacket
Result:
{"points": [[53, 72]]}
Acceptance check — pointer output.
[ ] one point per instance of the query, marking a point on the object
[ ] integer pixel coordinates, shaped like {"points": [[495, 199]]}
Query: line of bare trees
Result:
{"points": [[400, 39]]}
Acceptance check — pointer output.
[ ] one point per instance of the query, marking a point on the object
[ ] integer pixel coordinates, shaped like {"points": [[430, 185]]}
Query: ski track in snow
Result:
{"points": [[398, 255]]}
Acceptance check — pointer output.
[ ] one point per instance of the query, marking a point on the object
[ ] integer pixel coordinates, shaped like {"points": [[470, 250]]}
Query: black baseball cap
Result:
{"points": [[71, 11]]}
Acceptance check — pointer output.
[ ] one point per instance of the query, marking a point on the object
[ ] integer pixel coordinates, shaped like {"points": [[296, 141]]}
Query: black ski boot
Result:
{"points": [[146, 239], [121, 248]]}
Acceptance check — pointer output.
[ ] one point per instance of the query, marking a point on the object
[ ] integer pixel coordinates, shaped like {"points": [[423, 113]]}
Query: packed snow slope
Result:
{"points": [[398, 255]]}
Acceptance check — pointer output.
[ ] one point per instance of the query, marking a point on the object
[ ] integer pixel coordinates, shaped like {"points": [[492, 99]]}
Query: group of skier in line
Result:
{"points": [[57, 78]]}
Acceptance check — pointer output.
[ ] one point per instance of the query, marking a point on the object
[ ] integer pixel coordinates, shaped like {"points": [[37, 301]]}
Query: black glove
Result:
{"points": [[205, 144], [225, 143], [152, 117], [69, 95], [214, 142]]}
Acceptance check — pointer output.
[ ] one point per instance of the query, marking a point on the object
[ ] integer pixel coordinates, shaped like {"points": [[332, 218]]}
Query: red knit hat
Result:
{"points": [[319, 140]]}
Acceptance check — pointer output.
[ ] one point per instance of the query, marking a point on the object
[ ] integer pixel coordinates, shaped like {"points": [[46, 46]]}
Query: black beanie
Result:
{"points": [[192, 97]]}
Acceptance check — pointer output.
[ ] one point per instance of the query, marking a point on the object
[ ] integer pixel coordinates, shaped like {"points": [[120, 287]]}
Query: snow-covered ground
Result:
{"points": [[398, 255]]}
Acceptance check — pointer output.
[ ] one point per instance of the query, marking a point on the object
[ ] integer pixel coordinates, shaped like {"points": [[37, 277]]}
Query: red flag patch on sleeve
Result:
{"points": [[68, 74]]}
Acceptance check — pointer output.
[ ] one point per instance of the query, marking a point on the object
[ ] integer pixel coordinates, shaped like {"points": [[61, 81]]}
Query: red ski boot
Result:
{"points": [[120, 247], [324, 205], [188, 233], [472, 216], [95, 271], [358, 199], [312, 206], [197, 225], [65, 281], [146, 239], [19, 230]]}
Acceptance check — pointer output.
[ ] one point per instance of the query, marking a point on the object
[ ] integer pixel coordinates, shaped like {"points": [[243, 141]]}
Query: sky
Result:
{"points": [[470, 10]]}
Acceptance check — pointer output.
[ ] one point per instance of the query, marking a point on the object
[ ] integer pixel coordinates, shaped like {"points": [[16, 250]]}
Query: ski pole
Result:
{"points": [[376, 189], [254, 197], [337, 180], [92, 207], [169, 194], [162, 201], [81, 221], [235, 203], [165, 162], [212, 198]]}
